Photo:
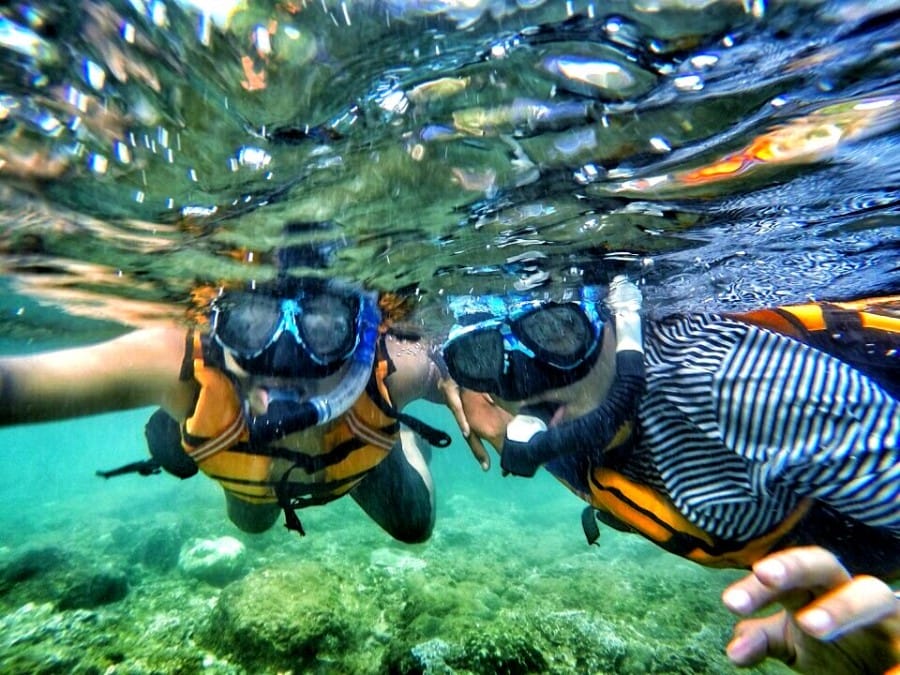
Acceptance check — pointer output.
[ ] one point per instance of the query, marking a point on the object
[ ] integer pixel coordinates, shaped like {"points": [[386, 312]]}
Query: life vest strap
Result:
{"points": [[435, 437], [654, 516], [367, 433], [146, 467], [225, 440], [291, 504]]}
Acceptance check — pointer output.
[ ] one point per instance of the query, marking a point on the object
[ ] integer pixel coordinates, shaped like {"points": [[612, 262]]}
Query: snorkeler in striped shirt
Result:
{"points": [[716, 438]]}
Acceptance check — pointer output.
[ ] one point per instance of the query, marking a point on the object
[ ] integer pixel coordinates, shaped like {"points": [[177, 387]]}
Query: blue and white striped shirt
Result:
{"points": [[738, 424]]}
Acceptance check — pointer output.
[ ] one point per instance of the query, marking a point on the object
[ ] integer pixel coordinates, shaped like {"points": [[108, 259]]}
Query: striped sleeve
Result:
{"points": [[741, 423], [810, 421]]}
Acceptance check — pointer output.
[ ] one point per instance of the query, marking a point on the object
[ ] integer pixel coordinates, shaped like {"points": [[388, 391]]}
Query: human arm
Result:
{"points": [[830, 622], [420, 373], [137, 369]]}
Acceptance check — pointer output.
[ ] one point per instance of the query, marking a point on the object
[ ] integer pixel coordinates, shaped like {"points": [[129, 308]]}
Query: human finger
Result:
{"points": [[487, 420], [790, 577], [863, 601], [479, 451], [757, 639], [454, 403]]}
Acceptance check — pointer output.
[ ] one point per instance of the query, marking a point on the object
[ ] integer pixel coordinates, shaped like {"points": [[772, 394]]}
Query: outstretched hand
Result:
{"points": [[831, 622]]}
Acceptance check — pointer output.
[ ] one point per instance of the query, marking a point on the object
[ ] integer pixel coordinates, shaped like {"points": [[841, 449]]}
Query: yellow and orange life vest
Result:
{"points": [[216, 437]]}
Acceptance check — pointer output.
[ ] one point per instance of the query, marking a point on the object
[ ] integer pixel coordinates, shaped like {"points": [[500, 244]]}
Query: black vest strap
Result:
{"points": [[434, 436], [187, 363], [164, 443], [589, 525], [145, 467], [290, 504]]}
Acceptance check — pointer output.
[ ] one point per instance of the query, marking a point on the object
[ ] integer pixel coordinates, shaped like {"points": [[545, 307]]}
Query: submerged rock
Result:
{"points": [[30, 562], [159, 547], [92, 588], [60, 577], [395, 562], [215, 561], [299, 617]]}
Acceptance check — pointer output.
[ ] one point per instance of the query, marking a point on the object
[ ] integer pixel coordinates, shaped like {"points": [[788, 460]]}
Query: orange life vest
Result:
{"points": [[863, 333], [215, 436], [650, 513]]}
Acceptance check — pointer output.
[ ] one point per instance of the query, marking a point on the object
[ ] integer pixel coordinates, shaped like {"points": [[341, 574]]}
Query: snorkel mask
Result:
{"points": [[298, 329], [482, 353], [517, 347]]}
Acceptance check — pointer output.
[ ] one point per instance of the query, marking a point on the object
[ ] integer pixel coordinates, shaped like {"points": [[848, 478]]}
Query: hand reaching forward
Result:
{"points": [[831, 623]]}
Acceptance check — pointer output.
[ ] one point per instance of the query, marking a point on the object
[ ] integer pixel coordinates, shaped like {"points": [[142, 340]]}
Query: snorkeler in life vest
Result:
{"points": [[715, 437], [301, 355], [290, 399]]}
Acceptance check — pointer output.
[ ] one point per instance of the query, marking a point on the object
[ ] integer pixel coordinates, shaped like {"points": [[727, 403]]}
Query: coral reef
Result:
{"points": [[516, 592]]}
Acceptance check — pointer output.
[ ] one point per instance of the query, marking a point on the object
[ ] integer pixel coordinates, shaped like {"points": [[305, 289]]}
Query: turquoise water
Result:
{"points": [[507, 583], [150, 152]]}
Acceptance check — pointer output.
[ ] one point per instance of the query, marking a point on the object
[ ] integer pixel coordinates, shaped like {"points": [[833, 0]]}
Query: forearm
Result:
{"points": [[589, 435], [437, 379], [417, 372], [25, 399], [134, 370]]}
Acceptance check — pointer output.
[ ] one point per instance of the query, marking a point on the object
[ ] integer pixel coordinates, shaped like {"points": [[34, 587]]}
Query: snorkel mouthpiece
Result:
{"points": [[287, 414], [281, 419]]}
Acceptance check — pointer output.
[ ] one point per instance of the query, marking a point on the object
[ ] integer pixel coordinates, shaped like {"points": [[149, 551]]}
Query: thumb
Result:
{"points": [[478, 450]]}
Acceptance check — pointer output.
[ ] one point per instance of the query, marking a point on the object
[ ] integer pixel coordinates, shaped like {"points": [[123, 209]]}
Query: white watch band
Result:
{"points": [[628, 332], [522, 428]]}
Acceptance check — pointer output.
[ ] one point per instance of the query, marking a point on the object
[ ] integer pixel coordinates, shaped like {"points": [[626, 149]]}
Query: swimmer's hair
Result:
{"points": [[7, 395], [201, 297], [394, 307]]}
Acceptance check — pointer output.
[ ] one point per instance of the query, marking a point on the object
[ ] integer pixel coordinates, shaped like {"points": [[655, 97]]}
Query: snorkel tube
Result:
{"points": [[530, 444], [287, 414]]}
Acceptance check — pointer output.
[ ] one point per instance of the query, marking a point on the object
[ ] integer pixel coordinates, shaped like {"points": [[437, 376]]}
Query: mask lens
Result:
{"points": [[559, 335], [476, 359], [328, 326], [246, 322]]}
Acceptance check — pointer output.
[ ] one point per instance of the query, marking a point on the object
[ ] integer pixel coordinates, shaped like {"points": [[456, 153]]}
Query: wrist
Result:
{"points": [[522, 428]]}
